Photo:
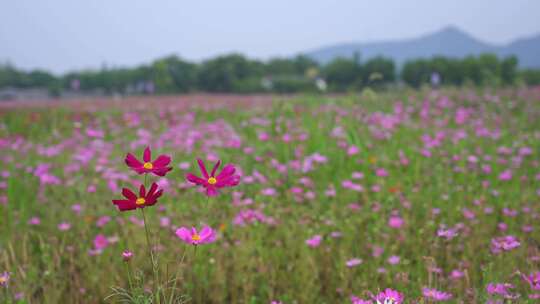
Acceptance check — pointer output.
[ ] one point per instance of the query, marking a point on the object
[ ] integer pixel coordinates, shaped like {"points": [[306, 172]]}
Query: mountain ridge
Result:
{"points": [[449, 41]]}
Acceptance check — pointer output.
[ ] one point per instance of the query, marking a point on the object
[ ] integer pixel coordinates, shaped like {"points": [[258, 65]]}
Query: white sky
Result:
{"points": [[61, 35]]}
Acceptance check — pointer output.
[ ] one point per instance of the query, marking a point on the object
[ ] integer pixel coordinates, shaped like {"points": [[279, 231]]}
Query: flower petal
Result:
{"points": [[216, 166], [195, 179], [161, 171], [129, 194], [227, 171], [162, 161], [124, 205], [142, 191], [229, 181], [207, 235], [211, 191], [203, 168], [184, 234], [147, 155], [132, 161]]}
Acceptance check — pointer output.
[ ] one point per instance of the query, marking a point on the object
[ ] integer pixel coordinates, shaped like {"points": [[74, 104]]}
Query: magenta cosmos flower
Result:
{"points": [[226, 178], [4, 278], [504, 243], [144, 198], [206, 235], [157, 167], [436, 295], [357, 300], [127, 255], [534, 280], [389, 296]]}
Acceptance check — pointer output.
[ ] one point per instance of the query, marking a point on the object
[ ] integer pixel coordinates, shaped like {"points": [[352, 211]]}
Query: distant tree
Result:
{"points": [[416, 72], [530, 77], [509, 70], [342, 73], [378, 70], [219, 74]]}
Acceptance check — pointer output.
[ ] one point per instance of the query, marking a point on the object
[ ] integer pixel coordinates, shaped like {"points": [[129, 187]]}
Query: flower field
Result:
{"points": [[396, 197]]}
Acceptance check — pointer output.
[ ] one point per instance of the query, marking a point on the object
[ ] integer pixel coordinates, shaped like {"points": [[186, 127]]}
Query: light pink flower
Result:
{"points": [[206, 235]]}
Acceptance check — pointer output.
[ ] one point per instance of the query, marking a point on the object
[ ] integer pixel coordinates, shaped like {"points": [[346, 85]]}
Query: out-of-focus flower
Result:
{"points": [[395, 222], [534, 280], [100, 242], [4, 279], [436, 295], [447, 233], [393, 260], [34, 221], [501, 289], [504, 243], [357, 300], [354, 262], [64, 226], [315, 241], [389, 296], [505, 175], [127, 255]]}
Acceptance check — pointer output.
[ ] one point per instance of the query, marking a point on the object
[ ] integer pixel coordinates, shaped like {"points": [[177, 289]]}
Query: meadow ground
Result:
{"points": [[434, 194]]}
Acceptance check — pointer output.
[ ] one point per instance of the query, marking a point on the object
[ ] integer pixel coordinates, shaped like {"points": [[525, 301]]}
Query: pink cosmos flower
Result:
{"points": [[64, 226], [206, 235], [436, 295], [315, 241], [393, 260], [456, 274], [381, 172], [4, 279], [354, 262], [100, 242], [144, 198], [34, 221], [352, 150], [505, 175], [389, 296], [226, 178], [504, 243], [534, 280], [127, 255], [158, 167], [357, 300], [395, 222], [449, 233], [502, 289]]}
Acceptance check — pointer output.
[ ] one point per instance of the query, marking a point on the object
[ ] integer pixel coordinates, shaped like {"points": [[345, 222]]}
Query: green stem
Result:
{"points": [[152, 259], [129, 277], [176, 276]]}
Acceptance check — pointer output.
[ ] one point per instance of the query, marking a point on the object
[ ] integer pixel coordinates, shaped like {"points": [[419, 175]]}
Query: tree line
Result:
{"points": [[235, 73]]}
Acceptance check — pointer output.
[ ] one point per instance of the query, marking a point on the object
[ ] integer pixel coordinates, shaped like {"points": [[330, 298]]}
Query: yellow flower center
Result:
{"points": [[3, 279], [140, 201], [148, 166], [212, 180], [196, 237]]}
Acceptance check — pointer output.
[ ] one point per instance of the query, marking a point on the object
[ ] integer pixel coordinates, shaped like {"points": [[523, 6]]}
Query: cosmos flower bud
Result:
{"points": [[127, 255]]}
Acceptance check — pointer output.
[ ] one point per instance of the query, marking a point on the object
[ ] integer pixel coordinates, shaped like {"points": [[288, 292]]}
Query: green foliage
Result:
{"points": [[485, 69], [530, 77], [261, 262], [342, 73], [234, 73]]}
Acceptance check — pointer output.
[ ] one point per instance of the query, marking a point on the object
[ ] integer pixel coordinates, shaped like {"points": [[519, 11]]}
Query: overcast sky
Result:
{"points": [[61, 35]]}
